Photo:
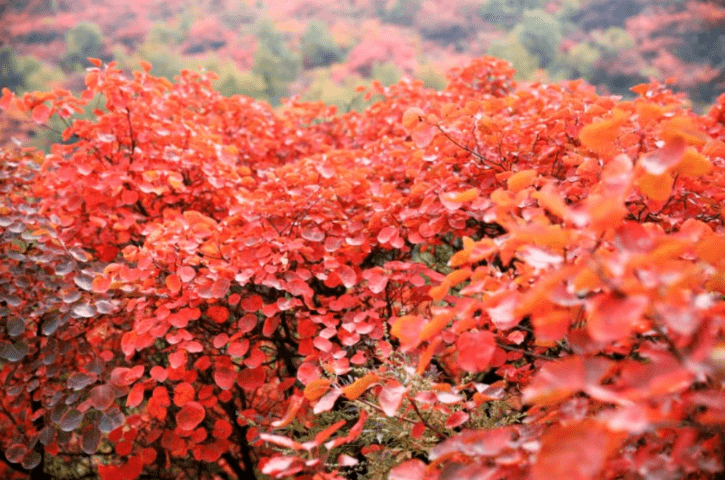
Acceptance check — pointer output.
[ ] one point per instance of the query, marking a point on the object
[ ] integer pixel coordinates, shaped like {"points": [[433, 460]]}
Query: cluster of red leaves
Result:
{"points": [[229, 267]]}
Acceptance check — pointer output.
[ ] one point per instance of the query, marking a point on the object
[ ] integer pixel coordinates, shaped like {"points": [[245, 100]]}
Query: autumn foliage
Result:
{"points": [[526, 280]]}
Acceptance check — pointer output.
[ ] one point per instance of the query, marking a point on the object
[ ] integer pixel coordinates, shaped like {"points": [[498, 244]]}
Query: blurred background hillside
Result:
{"points": [[322, 51]]}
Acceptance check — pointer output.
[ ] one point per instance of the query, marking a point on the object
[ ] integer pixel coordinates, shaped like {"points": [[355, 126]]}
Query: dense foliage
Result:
{"points": [[498, 280]]}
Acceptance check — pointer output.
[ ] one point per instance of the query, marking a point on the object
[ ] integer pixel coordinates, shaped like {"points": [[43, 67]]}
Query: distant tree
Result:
{"points": [[318, 47], [540, 33], [83, 41], [274, 62]]}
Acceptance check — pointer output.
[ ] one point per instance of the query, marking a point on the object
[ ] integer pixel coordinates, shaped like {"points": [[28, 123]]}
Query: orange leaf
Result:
{"points": [[439, 292], [316, 389], [459, 258], [6, 98], [694, 164], [427, 355], [457, 277], [407, 329], [599, 136], [358, 387], [465, 196], [294, 406], [173, 283], [656, 187], [101, 284], [412, 117], [521, 180], [438, 323], [146, 66]]}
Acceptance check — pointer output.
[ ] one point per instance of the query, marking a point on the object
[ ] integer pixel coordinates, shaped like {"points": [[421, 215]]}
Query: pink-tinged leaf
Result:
{"points": [[377, 282], [15, 453], [220, 340], [410, 470], [423, 134], [220, 288], [186, 273], [41, 113], [307, 372], [326, 403], [387, 233], [177, 358], [475, 442], [322, 344], [457, 419], [225, 376], [281, 466], [347, 275], [475, 350], [576, 452], [666, 157], [102, 397], [190, 416], [280, 440], [391, 396], [123, 376], [159, 373], [612, 317], [417, 430], [90, 441]]}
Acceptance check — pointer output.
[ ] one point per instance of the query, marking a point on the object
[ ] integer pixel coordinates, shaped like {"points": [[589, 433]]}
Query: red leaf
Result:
{"points": [[347, 275], [190, 416], [135, 396], [183, 393], [220, 288], [218, 314], [576, 452], [159, 373], [225, 376], [387, 233], [457, 419], [612, 317], [222, 429], [252, 303], [251, 378], [475, 350]]}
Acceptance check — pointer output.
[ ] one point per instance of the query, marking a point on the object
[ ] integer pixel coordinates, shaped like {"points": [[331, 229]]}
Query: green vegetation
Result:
{"points": [[318, 47], [82, 41], [274, 63], [25, 74], [540, 33]]}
